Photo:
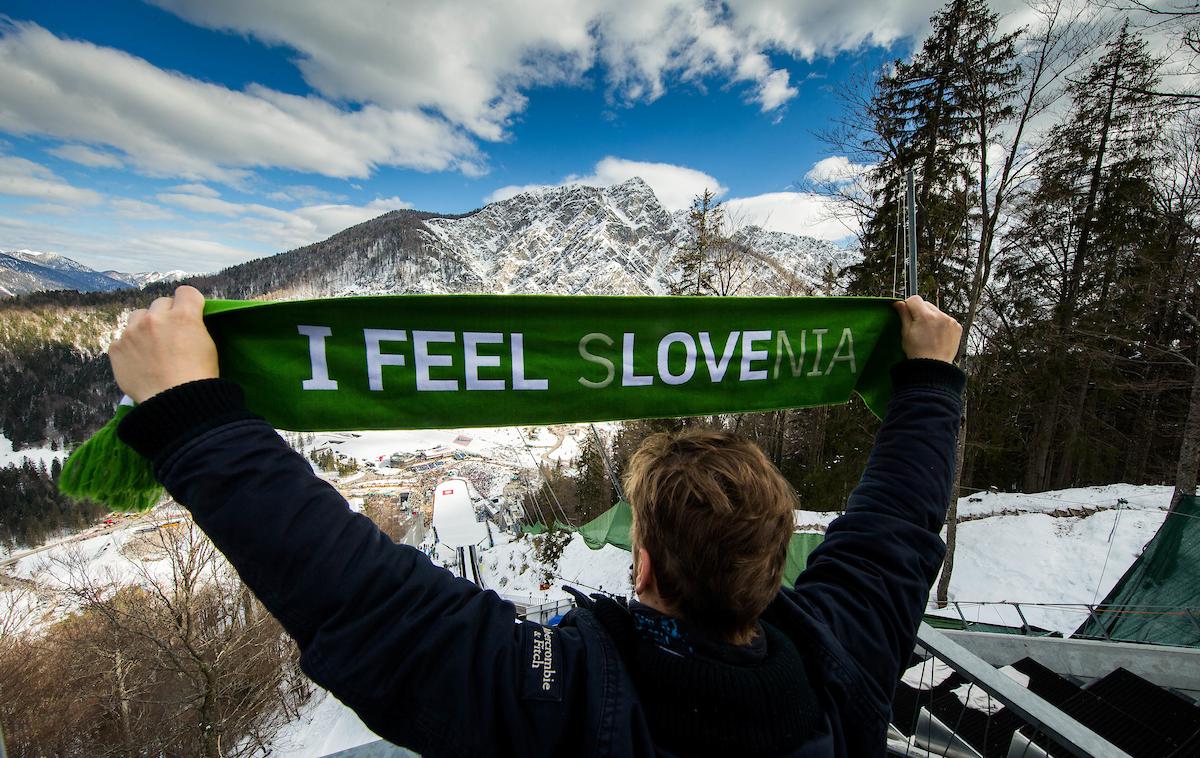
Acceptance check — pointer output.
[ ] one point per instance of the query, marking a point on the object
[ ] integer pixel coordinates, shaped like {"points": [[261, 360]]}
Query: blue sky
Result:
{"points": [[181, 134]]}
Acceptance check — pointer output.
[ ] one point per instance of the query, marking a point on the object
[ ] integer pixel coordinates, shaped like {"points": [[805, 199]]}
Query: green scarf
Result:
{"points": [[446, 361]]}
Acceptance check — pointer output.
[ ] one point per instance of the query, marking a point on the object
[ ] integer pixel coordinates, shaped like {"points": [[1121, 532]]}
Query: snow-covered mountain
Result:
{"points": [[29, 271], [24, 271], [568, 240], [146, 278]]}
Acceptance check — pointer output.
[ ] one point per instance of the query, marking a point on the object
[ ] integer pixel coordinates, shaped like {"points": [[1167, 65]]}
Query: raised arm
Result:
{"points": [[426, 659], [869, 580]]}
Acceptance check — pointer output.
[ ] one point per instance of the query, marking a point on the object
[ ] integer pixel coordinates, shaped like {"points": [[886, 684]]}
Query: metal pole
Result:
{"points": [[1024, 623], [966, 624], [1103, 629], [910, 281]]}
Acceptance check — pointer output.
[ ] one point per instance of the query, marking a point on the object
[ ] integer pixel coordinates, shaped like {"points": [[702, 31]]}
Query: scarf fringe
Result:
{"points": [[108, 471]]}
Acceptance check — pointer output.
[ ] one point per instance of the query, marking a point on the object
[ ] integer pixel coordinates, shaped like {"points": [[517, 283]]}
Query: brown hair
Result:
{"points": [[715, 516]]}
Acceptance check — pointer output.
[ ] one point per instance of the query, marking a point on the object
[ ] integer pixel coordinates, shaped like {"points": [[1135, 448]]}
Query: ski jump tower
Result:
{"points": [[456, 525]]}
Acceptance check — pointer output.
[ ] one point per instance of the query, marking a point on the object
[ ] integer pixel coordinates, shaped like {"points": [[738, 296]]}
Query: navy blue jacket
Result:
{"points": [[431, 662]]}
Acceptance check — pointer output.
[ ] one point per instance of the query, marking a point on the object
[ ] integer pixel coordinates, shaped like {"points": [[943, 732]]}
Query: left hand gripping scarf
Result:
{"points": [[449, 361]]}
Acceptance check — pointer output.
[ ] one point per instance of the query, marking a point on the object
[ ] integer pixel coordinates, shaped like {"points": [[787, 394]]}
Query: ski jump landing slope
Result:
{"points": [[454, 515]]}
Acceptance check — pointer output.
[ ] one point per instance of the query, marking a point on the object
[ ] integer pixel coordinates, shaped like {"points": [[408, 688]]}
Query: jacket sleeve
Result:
{"points": [[426, 659], [869, 579]]}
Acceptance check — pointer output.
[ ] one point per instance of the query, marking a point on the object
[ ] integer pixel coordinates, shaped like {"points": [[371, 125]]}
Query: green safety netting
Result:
{"points": [[801, 545], [1158, 599], [611, 527]]}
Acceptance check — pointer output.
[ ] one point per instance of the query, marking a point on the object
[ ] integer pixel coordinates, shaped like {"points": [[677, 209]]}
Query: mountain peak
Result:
{"points": [[633, 184]]}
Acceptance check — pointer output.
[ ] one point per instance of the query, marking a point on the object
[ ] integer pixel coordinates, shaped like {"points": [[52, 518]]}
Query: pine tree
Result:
{"points": [[593, 486], [937, 115], [693, 258], [1082, 233], [917, 123]]}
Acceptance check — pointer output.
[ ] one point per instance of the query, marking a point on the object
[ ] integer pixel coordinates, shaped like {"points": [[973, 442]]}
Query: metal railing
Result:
{"points": [[1038, 713], [539, 612], [1153, 614]]}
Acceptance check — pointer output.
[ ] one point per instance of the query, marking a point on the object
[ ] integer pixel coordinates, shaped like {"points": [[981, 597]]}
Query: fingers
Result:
{"points": [[136, 317], [186, 299], [189, 299], [914, 308], [160, 305], [918, 308]]}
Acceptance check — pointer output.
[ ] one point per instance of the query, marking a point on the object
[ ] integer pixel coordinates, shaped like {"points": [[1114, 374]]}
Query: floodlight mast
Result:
{"points": [[910, 280]]}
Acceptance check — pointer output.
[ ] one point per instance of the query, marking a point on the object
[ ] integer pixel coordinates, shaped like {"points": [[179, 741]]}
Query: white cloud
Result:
{"points": [[50, 209], [168, 124], [801, 213], [675, 186], [775, 90], [282, 229], [195, 189], [512, 190], [467, 60], [214, 205], [86, 156], [128, 207], [472, 61], [411, 84], [304, 193], [134, 250], [836, 169], [25, 178]]}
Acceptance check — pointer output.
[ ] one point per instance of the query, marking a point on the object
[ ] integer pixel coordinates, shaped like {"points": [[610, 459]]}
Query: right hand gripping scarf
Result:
{"points": [[449, 361]]}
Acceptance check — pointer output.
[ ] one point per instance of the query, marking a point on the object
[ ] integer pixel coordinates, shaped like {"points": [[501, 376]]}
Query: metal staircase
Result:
{"points": [[1083, 698]]}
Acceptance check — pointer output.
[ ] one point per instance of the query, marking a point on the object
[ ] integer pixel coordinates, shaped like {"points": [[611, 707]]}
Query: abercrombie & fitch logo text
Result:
{"points": [[543, 676], [543, 657]]}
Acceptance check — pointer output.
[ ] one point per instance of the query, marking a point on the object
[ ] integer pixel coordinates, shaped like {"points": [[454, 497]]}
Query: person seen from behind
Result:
{"points": [[714, 657]]}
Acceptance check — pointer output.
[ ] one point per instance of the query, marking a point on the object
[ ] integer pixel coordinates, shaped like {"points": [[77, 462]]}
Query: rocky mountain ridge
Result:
{"points": [[617, 240]]}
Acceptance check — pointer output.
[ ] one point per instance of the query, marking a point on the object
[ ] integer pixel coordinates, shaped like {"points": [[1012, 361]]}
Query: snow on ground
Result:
{"points": [[814, 521], [373, 445], [607, 569], [567, 452], [1038, 558], [1137, 497], [325, 726], [23, 611], [927, 674], [10, 457], [974, 697], [513, 571], [539, 436], [101, 557]]}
